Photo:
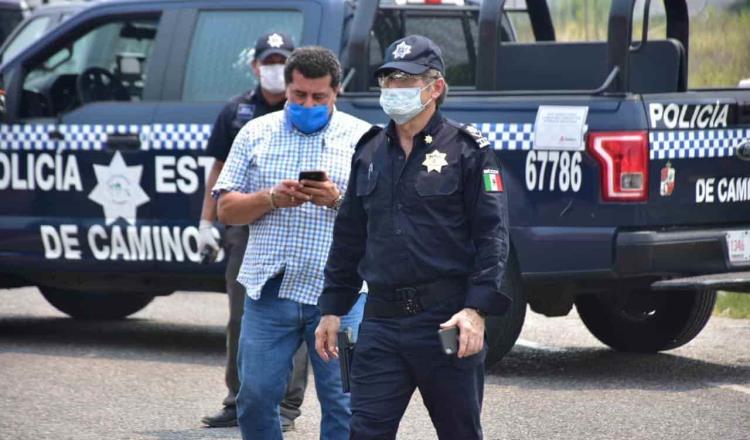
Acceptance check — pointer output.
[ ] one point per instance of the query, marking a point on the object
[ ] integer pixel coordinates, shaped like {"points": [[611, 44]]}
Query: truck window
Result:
{"points": [[30, 33], [456, 34], [108, 63], [218, 65]]}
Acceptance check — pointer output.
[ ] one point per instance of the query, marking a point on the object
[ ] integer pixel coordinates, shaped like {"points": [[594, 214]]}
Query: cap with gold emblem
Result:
{"points": [[413, 54]]}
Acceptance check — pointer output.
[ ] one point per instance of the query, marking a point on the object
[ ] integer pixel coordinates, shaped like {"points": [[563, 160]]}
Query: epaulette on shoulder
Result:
{"points": [[472, 132], [369, 135]]}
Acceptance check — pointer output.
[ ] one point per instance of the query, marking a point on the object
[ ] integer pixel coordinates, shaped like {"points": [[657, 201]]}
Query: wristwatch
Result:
{"points": [[337, 202]]}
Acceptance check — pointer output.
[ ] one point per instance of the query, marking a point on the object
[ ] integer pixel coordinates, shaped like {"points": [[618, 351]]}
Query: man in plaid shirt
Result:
{"points": [[291, 225]]}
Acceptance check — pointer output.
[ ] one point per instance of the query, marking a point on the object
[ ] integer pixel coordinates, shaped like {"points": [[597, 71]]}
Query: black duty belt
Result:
{"points": [[384, 302]]}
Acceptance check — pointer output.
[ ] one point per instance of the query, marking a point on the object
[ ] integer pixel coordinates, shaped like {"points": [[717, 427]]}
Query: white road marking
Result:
{"points": [[537, 346], [733, 387]]}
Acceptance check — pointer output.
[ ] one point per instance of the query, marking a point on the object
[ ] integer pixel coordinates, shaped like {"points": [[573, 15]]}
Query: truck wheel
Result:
{"points": [[502, 331], [646, 321], [86, 305]]}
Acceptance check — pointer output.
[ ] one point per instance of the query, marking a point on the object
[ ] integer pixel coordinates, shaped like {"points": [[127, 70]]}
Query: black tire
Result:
{"points": [[646, 321], [502, 331], [86, 305]]}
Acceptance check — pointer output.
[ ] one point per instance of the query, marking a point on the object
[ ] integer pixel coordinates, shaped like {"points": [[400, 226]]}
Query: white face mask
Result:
{"points": [[272, 78], [403, 104]]}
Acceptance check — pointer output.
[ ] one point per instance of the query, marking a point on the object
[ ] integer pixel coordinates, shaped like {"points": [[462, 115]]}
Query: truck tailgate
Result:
{"points": [[699, 146]]}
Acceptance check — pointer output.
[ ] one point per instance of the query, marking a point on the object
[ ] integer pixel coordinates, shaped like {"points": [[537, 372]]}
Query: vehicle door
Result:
{"points": [[699, 164], [74, 159], [209, 63]]}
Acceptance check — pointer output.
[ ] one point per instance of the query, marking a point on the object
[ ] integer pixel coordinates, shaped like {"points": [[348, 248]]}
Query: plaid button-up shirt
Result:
{"points": [[296, 240]]}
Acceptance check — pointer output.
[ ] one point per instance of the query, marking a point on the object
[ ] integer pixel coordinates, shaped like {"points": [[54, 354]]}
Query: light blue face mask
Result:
{"points": [[404, 103]]}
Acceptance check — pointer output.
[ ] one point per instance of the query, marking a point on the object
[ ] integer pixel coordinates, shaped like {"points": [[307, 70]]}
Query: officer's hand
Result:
{"points": [[323, 193], [207, 241], [470, 331], [286, 194], [326, 337]]}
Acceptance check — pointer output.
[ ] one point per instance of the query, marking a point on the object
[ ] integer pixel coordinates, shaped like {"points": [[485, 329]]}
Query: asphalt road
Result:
{"points": [[153, 376]]}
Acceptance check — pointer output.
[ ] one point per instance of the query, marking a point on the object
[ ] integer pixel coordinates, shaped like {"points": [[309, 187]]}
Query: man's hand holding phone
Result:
{"points": [[288, 194], [317, 185], [470, 326]]}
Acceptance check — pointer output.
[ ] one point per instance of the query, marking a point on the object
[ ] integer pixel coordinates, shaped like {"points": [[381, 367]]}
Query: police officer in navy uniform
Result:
{"points": [[269, 56], [424, 222]]}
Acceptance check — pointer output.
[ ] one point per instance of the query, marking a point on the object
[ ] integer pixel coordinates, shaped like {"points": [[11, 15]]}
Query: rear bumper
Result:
{"points": [[673, 253], [579, 255]]}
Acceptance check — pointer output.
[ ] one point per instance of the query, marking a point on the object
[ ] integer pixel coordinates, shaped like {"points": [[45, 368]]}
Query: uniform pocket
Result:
{"points": [[437, 184], [366, 182], [472, 361]]}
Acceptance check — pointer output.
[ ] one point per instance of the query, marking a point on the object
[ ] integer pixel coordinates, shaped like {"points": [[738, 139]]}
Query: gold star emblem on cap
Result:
{"points": [[428, 139], [435, 161]]}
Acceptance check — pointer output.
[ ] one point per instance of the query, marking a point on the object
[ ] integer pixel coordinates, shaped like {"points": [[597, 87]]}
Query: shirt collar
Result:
{"points": [[432, 127]]}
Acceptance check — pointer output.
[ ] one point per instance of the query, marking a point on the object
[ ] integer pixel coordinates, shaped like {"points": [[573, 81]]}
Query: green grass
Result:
{"points": [[733, 305], [719, 48], [719, 43]]}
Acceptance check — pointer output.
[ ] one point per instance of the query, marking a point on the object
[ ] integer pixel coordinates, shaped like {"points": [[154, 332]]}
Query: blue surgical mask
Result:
{"points": [[308, 119], [402, 104]]}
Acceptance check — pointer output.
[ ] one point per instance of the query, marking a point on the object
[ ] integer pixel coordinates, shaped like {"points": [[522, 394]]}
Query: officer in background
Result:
{"points": [[271, 52], [424, 223]]}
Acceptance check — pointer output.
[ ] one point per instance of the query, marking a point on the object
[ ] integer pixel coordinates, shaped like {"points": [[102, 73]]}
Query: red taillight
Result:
{"points": [[623, 157]]}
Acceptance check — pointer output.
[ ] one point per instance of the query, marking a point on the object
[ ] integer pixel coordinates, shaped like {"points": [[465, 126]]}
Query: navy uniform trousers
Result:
{"points": [[394, 356]]}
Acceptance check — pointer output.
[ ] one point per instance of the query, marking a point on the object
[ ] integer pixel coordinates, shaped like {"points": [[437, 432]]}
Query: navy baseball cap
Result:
{"points": [[413, 54], [273, 43]]}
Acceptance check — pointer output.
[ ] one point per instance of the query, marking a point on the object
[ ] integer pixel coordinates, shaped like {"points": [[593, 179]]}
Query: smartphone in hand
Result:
{"points": [[449, 340], [315, 175]]}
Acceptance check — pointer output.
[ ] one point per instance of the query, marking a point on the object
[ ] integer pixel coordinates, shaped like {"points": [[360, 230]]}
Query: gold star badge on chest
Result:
{"points": [[435, 161]]}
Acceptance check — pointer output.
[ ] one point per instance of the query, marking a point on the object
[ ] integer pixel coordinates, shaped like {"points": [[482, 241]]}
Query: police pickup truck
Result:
{"points": [[629, 194]]}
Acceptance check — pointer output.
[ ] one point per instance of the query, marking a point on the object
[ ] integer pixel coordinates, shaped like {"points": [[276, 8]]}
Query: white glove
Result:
{"points": [[206, 237]]}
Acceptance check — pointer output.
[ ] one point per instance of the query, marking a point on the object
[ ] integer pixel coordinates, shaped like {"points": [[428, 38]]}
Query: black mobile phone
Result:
{"points": [[449, 339], [316, 175], [346, 351]]}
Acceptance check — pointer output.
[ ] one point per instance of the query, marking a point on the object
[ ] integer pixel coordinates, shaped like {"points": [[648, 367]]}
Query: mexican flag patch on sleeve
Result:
{"points": [[493, 181]]}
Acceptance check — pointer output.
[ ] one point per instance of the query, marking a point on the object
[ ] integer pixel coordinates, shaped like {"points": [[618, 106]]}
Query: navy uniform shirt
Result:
{"points": [[233, 117], [439, 213]]}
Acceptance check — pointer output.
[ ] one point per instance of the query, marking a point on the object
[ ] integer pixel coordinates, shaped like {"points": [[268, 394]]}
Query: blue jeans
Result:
{"points": [[272, 330]]}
